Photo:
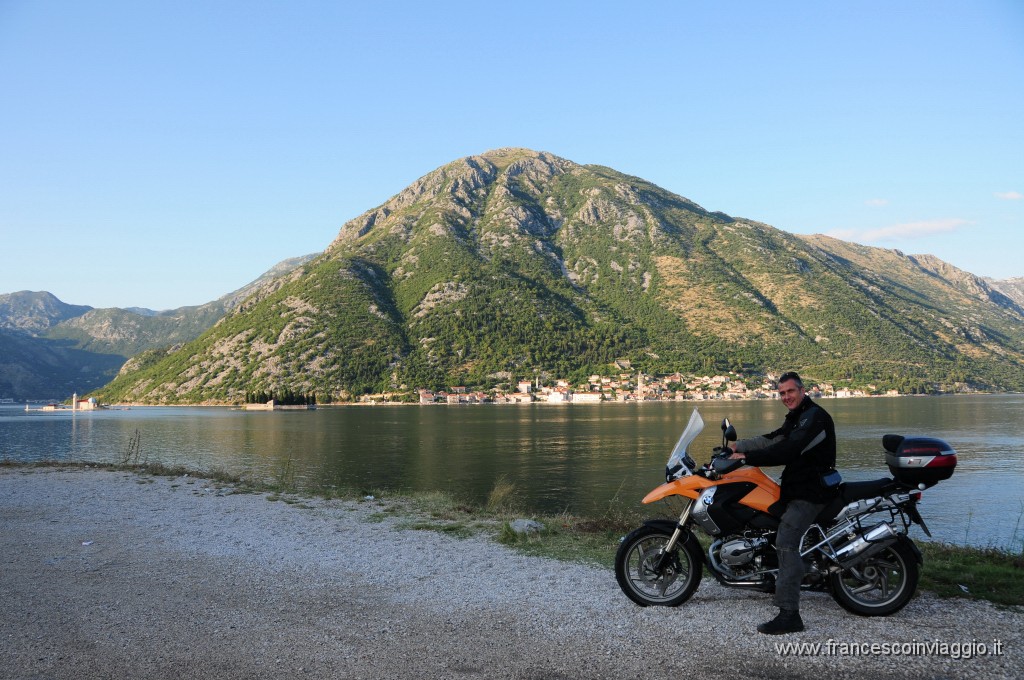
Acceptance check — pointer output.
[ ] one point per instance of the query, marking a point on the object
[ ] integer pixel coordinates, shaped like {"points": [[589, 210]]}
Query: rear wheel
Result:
{"points": [[881, 585], [649, 576]]}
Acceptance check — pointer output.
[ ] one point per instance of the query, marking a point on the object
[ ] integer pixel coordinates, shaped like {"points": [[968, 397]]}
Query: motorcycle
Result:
{"points": [[858, 547]]}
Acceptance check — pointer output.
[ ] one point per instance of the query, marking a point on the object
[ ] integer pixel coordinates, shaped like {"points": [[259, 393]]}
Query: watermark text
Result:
{"points": [[954, 650]]}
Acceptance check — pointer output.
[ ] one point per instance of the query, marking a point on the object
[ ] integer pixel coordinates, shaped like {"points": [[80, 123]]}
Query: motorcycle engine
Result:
{"points": [[741, 551]]}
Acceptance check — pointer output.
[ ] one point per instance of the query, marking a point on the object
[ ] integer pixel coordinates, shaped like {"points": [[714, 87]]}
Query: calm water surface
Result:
{"points": [[579, 458]]}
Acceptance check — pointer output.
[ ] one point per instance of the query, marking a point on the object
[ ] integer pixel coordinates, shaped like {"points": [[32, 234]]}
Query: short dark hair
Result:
{"points": [[791, 375]]}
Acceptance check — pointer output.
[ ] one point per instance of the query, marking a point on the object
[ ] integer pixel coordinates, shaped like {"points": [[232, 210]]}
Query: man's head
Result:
{"points": [[791, 390]]}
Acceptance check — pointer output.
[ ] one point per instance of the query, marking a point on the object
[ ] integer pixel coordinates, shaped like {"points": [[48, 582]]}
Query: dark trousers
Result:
{"points": [[798, 516]]}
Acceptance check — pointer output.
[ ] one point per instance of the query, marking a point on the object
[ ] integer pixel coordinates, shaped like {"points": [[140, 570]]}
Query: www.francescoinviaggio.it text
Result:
{"points": [[953, 650]]}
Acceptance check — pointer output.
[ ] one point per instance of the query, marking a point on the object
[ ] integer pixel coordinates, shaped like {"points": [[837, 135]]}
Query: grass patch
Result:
{"points": [[570, 539], [433, 511], [974, 573]]}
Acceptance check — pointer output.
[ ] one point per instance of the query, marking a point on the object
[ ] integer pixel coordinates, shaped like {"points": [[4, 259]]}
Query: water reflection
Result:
{"points": [[579, 458]]}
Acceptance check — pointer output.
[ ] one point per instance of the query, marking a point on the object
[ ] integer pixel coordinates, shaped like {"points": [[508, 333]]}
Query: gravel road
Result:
{"points": [[118, 575]]}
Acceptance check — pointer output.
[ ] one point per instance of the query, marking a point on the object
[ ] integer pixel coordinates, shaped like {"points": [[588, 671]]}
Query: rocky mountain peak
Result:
{"points": [[970, 283], [515, 261], [459, 188], [34, 312]]}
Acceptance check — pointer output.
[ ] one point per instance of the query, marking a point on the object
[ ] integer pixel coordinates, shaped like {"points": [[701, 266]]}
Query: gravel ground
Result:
{"points": [[116, 575]]}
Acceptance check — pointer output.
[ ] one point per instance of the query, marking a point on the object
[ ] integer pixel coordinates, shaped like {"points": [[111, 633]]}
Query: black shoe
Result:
{"points": [[788, 621]]}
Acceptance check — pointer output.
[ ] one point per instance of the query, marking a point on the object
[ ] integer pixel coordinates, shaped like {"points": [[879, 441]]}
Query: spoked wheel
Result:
{"points": [[649, 577], [882, 585]]}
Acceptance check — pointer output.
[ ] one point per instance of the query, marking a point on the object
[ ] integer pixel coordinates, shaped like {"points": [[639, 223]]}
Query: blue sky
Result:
{"points": [[161, 154]]}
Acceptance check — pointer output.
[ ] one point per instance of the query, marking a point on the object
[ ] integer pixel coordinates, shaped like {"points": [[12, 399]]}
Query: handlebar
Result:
{"points": [[722, 464]]}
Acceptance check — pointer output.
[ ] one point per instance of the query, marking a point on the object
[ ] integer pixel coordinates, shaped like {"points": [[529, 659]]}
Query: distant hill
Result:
{"points": [[515, 262], [1011, 288], [49, 349], [39, 368], [31, 312]]}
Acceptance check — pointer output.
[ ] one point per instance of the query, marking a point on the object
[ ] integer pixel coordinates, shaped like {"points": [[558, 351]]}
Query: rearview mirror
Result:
{"points": [[728, 431]]}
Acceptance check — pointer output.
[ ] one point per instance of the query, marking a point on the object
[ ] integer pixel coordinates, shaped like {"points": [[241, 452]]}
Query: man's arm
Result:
{"points": [[808, 433], [755, 443]]}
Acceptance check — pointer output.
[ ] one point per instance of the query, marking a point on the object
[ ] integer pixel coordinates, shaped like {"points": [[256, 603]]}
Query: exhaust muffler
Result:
{"points": [[871, 542]]}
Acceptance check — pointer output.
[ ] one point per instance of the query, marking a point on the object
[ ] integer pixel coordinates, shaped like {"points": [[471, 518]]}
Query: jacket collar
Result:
{"points": [[801, 407]]}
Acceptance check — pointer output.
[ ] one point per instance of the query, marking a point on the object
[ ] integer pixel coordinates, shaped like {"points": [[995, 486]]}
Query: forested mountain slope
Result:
{"points": [[50, 349], [516, 262]]}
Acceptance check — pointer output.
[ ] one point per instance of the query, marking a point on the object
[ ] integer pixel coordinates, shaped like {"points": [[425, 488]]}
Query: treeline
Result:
{"points": [[285, 397]]}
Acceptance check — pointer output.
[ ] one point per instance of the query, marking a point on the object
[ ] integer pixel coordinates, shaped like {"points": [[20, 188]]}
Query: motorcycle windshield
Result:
{"points": [[693, 428]]}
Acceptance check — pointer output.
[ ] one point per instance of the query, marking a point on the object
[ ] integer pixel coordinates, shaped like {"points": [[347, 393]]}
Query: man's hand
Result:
{"points": [[736, 456]]}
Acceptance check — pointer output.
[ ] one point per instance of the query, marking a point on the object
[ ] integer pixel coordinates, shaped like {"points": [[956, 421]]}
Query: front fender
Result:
{"points": [[666, 525], [690, 486]]}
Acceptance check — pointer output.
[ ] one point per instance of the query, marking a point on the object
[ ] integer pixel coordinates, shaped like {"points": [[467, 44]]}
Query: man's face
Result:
{"points": [[791, 394]]}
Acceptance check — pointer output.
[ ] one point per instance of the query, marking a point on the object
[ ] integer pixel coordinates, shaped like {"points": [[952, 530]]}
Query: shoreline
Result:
{"points": [[118, 574], [128, 405]]}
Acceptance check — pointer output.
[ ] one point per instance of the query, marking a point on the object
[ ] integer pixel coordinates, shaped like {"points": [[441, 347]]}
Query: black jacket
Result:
{"points": [[805, 444]]}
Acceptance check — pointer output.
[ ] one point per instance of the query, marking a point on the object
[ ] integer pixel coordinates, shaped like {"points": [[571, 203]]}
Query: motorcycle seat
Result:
{"points": [[856, 491], [848, 493]]}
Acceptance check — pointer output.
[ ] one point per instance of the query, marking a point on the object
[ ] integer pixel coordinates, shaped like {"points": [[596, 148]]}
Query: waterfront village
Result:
{"points": [[629, 387]]}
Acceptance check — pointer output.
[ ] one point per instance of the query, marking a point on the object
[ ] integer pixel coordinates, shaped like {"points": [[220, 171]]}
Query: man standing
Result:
{"points": [[806, 445]]}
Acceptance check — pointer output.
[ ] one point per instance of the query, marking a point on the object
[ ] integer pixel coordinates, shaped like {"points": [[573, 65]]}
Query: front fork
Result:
{"points": [[669, 548]]}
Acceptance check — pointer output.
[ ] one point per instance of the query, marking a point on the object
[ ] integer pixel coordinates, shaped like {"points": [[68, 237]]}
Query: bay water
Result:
{"points": [[585, 459]]}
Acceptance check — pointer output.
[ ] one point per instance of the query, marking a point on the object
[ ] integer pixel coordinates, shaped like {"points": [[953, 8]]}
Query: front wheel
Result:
{"points": [[650, 577], [882, 584]]}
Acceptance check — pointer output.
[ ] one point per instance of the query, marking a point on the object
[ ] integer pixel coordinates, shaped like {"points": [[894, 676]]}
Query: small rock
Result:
{"points": [[526, 526]]}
